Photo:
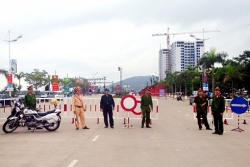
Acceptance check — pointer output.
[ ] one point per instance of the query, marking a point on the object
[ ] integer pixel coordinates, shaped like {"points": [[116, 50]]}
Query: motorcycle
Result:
{"points": [[50, 120]]}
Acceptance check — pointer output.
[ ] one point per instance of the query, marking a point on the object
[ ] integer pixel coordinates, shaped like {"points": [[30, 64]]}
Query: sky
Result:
{"points": [[93, 38]]}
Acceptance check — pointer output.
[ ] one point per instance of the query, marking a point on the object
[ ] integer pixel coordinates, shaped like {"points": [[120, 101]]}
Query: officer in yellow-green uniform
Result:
{"points": [[218, 108], [30, 99], [146, 108], [200, 103]]}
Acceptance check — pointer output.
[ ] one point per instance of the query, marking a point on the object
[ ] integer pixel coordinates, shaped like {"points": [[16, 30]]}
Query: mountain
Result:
{"points": [[136, 83]]}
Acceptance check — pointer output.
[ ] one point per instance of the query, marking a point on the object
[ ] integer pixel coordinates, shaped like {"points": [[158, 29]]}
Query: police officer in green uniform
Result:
{"points": [[218, 108], [146, 108], [30, 99], [200, 103]]}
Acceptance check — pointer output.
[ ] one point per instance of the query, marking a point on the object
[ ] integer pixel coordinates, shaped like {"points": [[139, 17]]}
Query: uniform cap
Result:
{"points": [[77, 89], [29, 86], [106, 89], [217, 89], [200, 90]]}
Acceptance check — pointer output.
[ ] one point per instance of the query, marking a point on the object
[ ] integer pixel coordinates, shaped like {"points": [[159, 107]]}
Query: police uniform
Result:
{"points": [[201, 110], [30, 100], [218, 108], [146, 101], [78, 107]]}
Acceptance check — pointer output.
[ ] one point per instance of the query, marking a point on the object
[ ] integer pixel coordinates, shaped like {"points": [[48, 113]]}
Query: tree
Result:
{"points": [[233, 74], [209, 58], [4, 73], [193, 73], [19, 77], [37, 78]]}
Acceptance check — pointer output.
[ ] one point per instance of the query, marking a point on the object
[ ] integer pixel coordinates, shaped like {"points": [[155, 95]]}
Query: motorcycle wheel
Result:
{"points": [[54, 126], [10, 125]]}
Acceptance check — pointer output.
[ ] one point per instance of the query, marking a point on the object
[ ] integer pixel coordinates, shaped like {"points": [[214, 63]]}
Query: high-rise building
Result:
{"points": [[184, 53], [164, 63]]}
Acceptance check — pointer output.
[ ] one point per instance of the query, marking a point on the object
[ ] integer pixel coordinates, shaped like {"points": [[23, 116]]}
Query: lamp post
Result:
{"points": [[120, 69], [14, 40]]}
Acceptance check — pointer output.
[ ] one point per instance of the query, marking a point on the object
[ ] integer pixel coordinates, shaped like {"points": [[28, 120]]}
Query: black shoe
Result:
{"points": [[85, 127], [77, 128], [112, 127], [209, 129], [29, 129], [142, 126], [106, 127], [200, 128], [39, 128], [148, 127], [221, 133], [215, 133]]}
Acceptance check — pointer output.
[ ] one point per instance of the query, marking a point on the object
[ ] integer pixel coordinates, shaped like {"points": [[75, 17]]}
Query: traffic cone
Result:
{"points": [[201, 121], [244, 122], [225, 122]]}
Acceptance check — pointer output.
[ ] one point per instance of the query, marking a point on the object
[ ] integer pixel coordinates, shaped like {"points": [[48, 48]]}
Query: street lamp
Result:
{"points": [[120, 69], [14, 40]]}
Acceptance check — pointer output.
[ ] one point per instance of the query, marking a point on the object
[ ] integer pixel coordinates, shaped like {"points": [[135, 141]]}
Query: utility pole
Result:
{"points": [[120, 69]]}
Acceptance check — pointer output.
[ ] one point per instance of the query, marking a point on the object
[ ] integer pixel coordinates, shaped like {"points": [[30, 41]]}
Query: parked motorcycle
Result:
{"points": [[50, 120]]}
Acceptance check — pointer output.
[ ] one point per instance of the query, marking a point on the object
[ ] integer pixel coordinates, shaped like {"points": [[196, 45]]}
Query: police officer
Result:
{"points": [[218, 107], [78, 108], [146, 108], [30, 99], [200, 103], [107, 106]]}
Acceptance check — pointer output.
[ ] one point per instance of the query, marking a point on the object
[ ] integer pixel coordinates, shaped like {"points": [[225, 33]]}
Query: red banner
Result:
{"points": [[55, 86], [10, 79]]}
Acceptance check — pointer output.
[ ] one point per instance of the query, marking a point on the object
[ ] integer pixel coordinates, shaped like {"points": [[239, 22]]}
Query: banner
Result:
{"points": [[55, 86], [9, 83], [205, 82], [66, 84], [13, 66]]}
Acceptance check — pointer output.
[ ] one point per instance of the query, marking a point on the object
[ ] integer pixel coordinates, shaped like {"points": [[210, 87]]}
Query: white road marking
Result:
{"points": [[72, 163], [178, 111], [187, 115], [95, 138]]}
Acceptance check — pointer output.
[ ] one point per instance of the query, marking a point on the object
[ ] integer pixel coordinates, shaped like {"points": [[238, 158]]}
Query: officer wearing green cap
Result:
{"points": [[30, 99], [200, 103], [146, 108], [218, 108]]}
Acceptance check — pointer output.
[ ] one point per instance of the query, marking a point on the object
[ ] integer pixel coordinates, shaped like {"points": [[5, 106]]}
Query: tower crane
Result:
{"points": [[181, 33]]}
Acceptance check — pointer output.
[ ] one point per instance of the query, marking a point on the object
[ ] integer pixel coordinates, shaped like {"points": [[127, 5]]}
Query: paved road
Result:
{"points": [[174, 141]]}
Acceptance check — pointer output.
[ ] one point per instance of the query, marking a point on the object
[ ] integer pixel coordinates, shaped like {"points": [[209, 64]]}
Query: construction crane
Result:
{"points": [[181, 33]]}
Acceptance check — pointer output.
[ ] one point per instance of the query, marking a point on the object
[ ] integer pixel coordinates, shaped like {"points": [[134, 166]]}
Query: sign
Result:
{"points": [[239, 105], [161, 93], [205, 82], [66, 84], [200, 69], [9, 83], [13, 66], [130, 103], [118, 87], [55, 86]]}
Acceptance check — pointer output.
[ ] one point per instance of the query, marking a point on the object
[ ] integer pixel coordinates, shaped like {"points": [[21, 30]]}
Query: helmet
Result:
{"points": [[54, 101]]}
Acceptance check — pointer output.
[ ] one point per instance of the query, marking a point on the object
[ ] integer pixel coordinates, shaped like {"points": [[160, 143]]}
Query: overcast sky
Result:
{"points": [[83, 37]]}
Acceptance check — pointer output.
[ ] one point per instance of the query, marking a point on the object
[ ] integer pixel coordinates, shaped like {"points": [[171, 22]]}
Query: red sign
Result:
{"points": [[117, 87], [55, 86], [10, 79]]}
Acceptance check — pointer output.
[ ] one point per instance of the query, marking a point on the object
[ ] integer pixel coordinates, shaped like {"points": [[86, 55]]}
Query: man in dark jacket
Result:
{"points": [[107, 105], [218, 108]]}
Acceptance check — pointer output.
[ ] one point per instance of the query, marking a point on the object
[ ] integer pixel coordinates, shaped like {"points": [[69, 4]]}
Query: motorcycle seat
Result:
{"points": [[46, 113]]}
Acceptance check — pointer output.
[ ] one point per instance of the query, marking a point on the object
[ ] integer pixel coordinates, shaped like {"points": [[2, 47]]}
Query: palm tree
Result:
{"points": [[233, 74], [209, 58], [193, 73], [185, 76], [4, 72], [19, 77]]}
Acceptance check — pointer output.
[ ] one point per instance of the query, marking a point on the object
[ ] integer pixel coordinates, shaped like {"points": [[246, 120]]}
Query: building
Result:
{"points": [[184, 53], [164, 63]]}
